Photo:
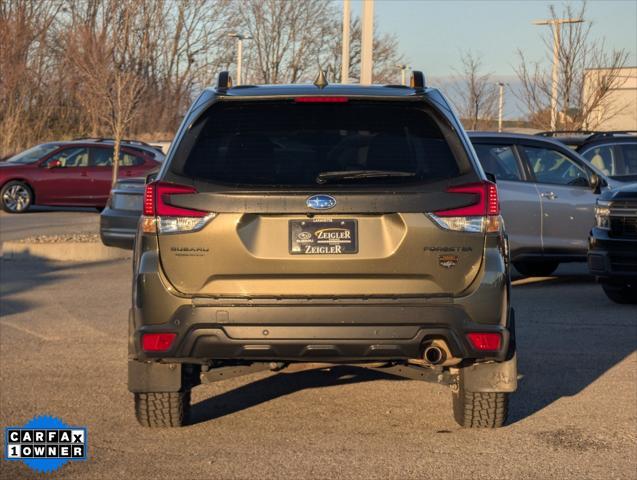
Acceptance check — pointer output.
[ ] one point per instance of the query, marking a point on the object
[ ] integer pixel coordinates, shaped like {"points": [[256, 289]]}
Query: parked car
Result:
{"points": [[547, 195], [74, 173], [612, 251], [331, 223], [613, 153], [118, 220]]}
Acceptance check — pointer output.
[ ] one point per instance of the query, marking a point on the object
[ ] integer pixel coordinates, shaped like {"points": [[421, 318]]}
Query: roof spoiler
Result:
{"points": [[224, 82]]}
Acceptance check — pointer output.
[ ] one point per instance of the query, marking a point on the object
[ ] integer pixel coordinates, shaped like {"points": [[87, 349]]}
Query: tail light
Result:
{"points": [[160, 216], [480, 216], [157, 342], [485, 341]]}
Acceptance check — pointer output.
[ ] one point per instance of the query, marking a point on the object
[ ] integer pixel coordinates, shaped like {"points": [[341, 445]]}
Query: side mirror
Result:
{"points": [[595, 183], [54, 164]]}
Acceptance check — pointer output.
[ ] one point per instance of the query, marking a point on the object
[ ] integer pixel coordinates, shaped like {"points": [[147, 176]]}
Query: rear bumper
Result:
{"points": [[118, 228], [610, 257], [339, 330], [333, 333]]}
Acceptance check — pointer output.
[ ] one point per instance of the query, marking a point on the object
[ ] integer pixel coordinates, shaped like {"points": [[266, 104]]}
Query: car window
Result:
{"points": [[290, 144], [128, 160], [602, 157], [552, 166], [71, 157], [33, 154], [629, 159], [499, 160], [101, 157]]}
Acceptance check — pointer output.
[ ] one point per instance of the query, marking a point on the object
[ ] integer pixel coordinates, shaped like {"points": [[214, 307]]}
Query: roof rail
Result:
{"points": [[108, 139], [612, 134], [417, 80], [555, 133], [224, 82], [590, 133], [87, 138]]}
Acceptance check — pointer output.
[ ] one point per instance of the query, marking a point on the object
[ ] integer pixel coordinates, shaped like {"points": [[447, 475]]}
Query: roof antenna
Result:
{"points": [[321, 81]]}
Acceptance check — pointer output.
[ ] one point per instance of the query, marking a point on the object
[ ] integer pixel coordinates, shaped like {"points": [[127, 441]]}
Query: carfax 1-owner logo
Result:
{"points": [[45, 443]]}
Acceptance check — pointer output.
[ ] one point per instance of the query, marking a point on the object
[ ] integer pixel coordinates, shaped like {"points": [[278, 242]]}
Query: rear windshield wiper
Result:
{"points": [[325, 177]]}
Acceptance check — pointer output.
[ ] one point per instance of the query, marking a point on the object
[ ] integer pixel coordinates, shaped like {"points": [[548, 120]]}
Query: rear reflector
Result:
{"points": [[486, 202], [485, 341], [157, 342], [321, 99], [157, 196]]}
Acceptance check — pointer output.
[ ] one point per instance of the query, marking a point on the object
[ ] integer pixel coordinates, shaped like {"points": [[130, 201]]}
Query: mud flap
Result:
{"points": [[147, 377], [491, 377]]}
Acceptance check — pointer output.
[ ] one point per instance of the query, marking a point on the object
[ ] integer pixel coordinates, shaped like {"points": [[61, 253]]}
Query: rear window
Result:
{"points": [[291, 144]]}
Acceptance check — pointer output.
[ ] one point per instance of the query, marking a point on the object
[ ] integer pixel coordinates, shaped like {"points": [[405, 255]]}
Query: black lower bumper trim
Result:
{"points": [[206, 343], [612, 256]]}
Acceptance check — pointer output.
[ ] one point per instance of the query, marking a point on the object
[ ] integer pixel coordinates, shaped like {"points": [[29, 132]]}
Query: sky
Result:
{"points": [[433, 33]]}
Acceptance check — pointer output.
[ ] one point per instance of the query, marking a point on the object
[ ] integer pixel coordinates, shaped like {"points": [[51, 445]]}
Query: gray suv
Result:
{"points": [[321, 223], [547, 193]]}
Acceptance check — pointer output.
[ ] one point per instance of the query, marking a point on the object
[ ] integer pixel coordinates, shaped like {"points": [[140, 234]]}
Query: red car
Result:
{"points": [[76, 173]]}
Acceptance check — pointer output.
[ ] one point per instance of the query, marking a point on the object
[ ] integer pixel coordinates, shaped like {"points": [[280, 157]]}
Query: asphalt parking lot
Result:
{"points": [[42, 221], [63, 353]]}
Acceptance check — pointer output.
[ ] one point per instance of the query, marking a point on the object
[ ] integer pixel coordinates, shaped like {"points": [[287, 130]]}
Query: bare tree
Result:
{"points": [[288, 38], [291, 39], [109, 67], [188, 46], [26, 71], [386, 54], [132, 67], [588, 75], [476, 92]]}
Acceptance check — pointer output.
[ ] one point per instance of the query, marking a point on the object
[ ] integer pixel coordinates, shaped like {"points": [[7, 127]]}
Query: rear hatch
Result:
{"points": [[307, 197]]}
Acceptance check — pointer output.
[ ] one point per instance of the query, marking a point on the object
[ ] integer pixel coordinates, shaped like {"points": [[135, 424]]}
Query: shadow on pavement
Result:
{"points": [[561, 354], [279, 385], [28, 273], [558, 355]]}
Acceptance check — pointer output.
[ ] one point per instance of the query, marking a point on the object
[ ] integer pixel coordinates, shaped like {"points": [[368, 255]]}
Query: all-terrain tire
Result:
{"points": [[163, 409], [536, 269], [480, 410]]}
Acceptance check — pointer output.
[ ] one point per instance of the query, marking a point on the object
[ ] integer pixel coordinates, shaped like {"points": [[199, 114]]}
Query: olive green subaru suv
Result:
{"points": [[331, 224]]}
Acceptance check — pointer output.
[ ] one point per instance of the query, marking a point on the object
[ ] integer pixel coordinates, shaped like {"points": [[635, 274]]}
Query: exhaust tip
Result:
{"points": [[434, 355]]}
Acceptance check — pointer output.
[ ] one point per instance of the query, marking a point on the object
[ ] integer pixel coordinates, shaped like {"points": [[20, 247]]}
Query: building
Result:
{"points": [[618, 110]]}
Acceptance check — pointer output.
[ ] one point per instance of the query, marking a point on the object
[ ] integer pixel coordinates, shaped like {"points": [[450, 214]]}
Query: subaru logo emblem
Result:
{"points": [[320, 202]]}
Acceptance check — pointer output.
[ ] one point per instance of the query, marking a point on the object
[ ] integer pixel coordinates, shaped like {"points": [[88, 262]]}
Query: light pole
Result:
{"points": [[500, 105], [367, 41], [240, 38], [402, 68], [555, 24], [345, 52]]}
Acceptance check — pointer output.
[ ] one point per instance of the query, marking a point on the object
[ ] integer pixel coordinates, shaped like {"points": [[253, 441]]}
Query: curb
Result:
{"points": [[63, 251]]}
